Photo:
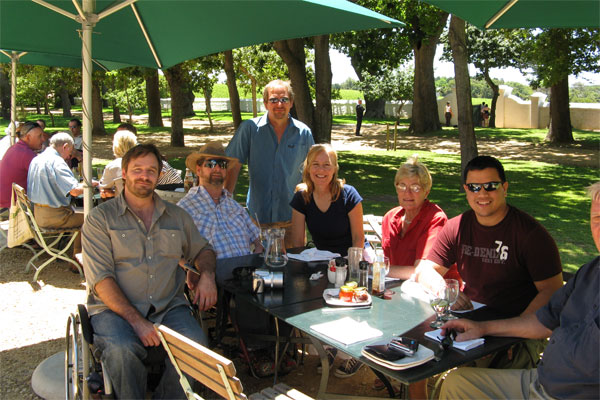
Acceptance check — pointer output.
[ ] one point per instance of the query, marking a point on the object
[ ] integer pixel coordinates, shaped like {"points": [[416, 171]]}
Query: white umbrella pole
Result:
{"points": [[13, 97], [86, 103]]}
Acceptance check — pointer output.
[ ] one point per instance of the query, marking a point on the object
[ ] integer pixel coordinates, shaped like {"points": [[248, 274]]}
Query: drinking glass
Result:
{"points": [[452, 290], [354, 257], [439, 303]]}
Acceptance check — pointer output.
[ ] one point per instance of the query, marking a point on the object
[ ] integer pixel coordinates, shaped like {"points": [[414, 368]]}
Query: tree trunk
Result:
{"points": [[153, 98], [66, 102], [292, 53], [466, 132], [116, 114], [425, 109], [4, 94], [38, 107], [323, 114], [188, 97], [234, 96], [97, 117], [560, 115], [175, 77], [207, 97], [254, 103], [46, 106], [496, 92]]}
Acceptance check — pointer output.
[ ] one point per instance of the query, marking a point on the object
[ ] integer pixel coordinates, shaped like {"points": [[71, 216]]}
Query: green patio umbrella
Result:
{"points": [[162, 33], [491, 14]]}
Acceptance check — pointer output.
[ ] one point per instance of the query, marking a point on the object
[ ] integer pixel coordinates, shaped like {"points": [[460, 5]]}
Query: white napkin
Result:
{"points": [[466, 345], [313, 254], [347, 330]]}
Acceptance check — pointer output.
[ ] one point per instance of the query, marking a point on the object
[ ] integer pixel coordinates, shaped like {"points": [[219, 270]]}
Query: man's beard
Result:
{"points": [[215, 180], [141, 192]]}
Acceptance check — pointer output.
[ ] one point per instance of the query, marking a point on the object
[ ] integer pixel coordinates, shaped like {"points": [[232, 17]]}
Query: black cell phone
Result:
{"points": [[385, 352], [406, 345]]}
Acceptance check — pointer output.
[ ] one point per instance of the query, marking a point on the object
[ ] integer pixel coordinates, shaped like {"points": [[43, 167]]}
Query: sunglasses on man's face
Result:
{"points": [[488, 186], [214, 162], [282, 100]]}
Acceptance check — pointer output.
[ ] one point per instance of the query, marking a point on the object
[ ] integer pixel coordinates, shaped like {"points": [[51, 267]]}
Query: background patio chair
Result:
{"points": [[53, 241]]}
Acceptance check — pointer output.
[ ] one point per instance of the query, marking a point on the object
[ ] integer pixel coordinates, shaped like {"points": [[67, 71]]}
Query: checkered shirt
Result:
{"points": [[227, 226]]}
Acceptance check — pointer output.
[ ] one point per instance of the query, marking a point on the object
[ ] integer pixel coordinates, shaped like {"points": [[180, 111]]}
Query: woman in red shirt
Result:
{"points": [[408, 231]]}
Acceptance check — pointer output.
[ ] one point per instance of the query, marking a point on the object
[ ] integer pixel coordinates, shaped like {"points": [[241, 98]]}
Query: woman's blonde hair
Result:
{"points": [[413, 167], [307, 186], [122, 142]]}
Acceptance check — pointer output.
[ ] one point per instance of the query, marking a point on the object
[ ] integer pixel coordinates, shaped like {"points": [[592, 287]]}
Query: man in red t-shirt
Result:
{"points": [[507, 259]]}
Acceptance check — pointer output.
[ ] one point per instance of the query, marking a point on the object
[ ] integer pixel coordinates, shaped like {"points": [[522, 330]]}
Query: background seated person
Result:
{"points": [[331, 210], [51, 185], [111, 183], [569, 368]]}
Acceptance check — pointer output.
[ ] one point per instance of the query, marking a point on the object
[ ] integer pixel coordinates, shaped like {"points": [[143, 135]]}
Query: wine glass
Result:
{"points": [[452, 291], [439, 303]]}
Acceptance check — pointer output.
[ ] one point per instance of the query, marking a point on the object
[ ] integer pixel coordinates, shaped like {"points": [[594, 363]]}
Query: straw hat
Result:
{"points": [[209, 150]]}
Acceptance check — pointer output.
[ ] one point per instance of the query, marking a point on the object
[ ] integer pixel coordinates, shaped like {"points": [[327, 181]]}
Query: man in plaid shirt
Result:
{"points": [[218, 217]]}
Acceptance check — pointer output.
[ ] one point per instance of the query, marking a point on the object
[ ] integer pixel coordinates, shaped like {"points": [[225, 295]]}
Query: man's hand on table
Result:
{"points": [[465, 329]]}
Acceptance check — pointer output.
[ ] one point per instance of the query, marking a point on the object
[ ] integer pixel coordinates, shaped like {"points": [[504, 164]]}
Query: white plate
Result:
{"points": [[332, 297], [422, 356]]}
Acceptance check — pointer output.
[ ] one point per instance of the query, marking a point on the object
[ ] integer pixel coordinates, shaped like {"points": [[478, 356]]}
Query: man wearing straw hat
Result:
{"points": [[219, 218]]}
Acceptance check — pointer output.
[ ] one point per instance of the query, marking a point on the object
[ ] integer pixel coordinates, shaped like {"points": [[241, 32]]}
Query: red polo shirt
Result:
{"points": [[419, 237], [13, 168]]}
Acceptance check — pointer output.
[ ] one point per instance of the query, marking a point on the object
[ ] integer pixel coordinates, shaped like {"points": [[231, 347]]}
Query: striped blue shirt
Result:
{"points": [[226, 226]]}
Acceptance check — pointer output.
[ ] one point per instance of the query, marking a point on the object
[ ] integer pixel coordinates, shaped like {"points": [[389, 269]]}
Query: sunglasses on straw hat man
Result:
{"points": [[211, 150]]}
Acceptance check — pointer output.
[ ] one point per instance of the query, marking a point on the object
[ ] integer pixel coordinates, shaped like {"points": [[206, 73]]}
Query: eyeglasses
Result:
{"points": [[282, 100], [73, 126], [413, 188], [214, 162], [447, 341], [488, 186]]}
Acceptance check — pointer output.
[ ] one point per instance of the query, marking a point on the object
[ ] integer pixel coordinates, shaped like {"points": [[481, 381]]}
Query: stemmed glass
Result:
{"points": [[452, 291], [439, 302]]}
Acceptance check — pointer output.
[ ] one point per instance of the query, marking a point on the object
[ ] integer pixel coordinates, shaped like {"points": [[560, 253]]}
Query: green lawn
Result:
{"points": [[553, 194]]}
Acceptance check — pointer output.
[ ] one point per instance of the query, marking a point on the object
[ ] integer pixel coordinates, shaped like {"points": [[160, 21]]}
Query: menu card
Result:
{"points": [[347, 331]]}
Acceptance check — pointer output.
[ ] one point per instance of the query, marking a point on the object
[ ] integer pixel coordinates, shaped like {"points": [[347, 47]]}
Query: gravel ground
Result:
{"points": [[34, 315]]}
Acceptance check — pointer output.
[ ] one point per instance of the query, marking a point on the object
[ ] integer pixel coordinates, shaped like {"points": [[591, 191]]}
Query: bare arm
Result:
{"points": [[430, 274], [356, 226], [546, 289], [403, 272], [233, 172], [525, 326], [298, 229], [110, 293]]}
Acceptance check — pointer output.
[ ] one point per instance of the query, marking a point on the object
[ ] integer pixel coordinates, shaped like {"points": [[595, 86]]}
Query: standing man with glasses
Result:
{"points": [[274, 146], [506, 258], [219, 218]]}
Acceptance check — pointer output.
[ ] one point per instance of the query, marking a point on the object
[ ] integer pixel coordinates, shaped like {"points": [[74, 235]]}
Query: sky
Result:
{"points": [[342, 70]]}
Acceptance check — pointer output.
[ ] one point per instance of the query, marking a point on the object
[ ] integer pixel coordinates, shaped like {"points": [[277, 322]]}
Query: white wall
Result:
{"points": [[511, 111]]}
